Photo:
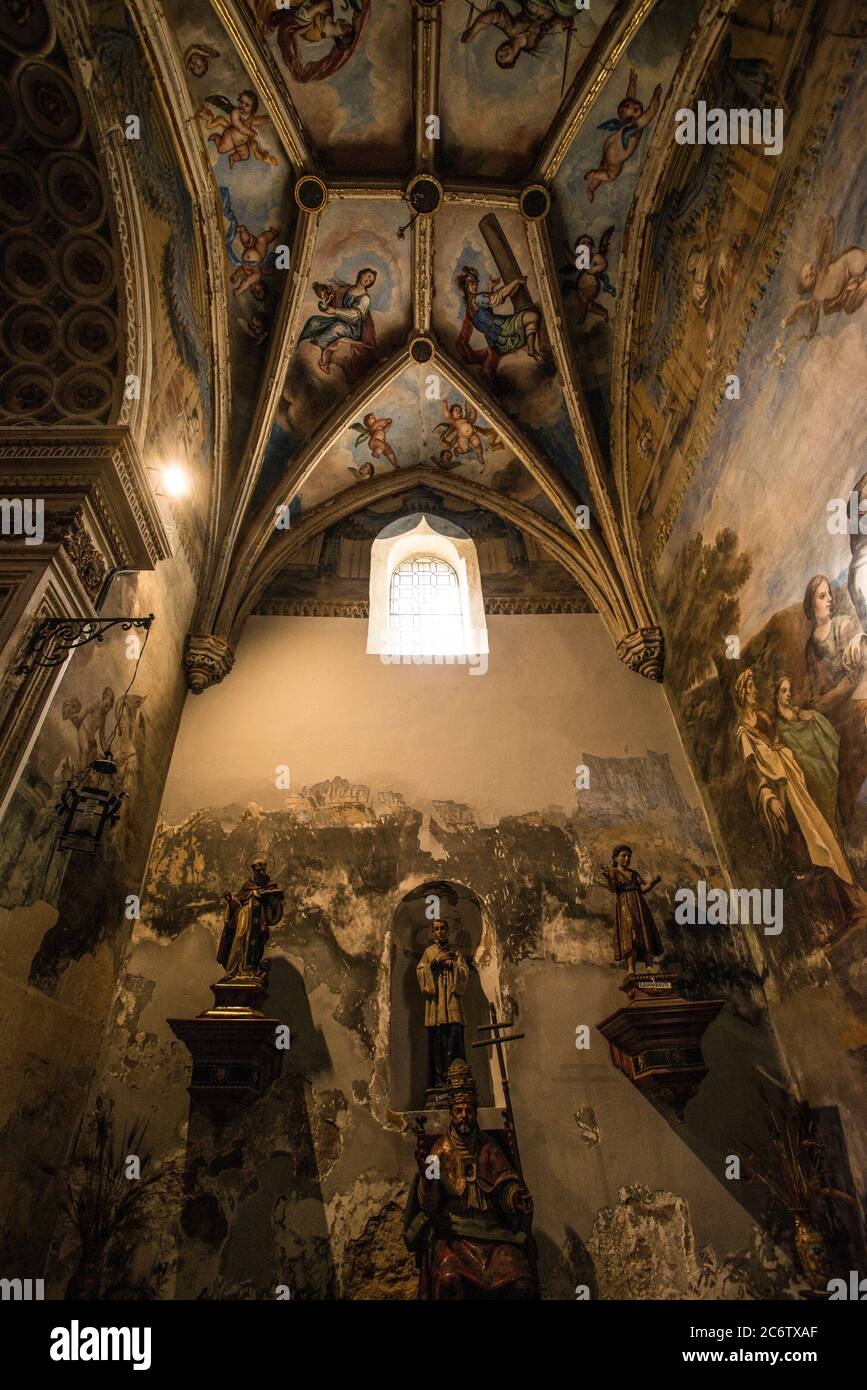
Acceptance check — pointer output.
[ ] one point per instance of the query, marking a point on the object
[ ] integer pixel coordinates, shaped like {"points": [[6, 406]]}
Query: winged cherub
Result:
{"points": [[374, 432], [626, 128], [461, 435], [587, 275], [250, 274], [236, 130], [833, 283]]}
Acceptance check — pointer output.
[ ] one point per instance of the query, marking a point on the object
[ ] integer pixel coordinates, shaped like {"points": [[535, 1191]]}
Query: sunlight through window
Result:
{"points": [[425, 609]]}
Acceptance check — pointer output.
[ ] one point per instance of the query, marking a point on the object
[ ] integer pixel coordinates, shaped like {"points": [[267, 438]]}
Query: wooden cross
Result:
{"points": [[504, 260], [497, 1041]]}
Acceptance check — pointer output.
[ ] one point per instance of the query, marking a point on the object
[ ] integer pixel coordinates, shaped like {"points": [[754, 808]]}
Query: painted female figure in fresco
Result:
{"points": [[344, 317], [503, 333], [814, 742], [636, 937], [314, 21], [838, 686], [777, 787]]}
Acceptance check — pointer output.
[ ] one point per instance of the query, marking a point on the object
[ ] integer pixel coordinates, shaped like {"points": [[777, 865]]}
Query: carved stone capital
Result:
{"points": [[643, 651], [207, 660]]}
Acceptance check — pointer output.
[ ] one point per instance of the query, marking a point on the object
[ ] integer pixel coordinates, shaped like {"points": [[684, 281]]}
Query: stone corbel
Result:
{"points": [[643, 651], [208, 659]]}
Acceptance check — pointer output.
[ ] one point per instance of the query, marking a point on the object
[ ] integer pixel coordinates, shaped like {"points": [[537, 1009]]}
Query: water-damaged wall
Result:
{"points": [[403, 776]]}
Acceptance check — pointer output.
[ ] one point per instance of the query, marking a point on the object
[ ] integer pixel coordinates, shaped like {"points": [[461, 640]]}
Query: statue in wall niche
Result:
{"points": [[442, 976], [636, 936], [250, 915], [468, 1214]]}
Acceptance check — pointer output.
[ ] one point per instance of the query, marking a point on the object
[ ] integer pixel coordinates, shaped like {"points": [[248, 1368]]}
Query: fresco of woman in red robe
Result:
{"points": [[314, 21]]}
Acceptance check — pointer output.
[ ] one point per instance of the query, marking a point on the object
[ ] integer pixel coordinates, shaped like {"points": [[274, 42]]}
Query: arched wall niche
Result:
{"points": [[472, 934]]}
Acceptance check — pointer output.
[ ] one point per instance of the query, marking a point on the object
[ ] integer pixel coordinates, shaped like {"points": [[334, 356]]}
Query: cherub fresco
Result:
{"points": [[587, 284], [249, 274], [504, 334], [197, 58], [461, 436], [314, 22], [713, 266], [236, 130], [344, 318], [250, 254], [257, 327], [373, 432], [526, 24], [626, 128], [836, 282], [89, 723]]}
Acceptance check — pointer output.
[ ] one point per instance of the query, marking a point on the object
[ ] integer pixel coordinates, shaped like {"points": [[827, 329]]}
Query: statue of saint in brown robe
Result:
{"points": [[250, 915]]}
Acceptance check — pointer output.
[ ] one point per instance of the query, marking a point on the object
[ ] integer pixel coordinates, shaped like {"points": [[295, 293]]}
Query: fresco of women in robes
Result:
{"points": [[797, 830], [344, 317], [837, 686], [814, 742], [503, 333]]}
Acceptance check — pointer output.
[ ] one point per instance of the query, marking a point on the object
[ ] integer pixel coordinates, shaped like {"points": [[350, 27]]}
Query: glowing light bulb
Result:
{"points": [[175, 481]]}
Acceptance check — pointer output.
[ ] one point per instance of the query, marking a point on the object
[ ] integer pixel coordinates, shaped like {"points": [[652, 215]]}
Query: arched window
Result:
{"points": [[425, 592], [425, 609]]}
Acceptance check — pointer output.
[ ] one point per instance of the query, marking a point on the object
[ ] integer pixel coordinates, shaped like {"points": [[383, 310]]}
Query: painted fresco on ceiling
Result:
{"points": [[504, 69], [347, 66], [253, 180], [356, 313], [180, 417], [700, 260], [486, 315], [403, 428], [595, 185], [779, 733]]}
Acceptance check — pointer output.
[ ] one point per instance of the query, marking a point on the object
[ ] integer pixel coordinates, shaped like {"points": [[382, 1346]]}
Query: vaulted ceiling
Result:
{"points": [[362, 156]]}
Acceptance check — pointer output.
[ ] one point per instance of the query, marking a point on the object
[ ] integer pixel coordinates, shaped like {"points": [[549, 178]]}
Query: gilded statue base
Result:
{"points": [[655, 1039], [233, 1046], [241, 997]]}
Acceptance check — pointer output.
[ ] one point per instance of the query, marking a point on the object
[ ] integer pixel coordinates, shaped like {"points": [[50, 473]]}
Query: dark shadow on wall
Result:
{"points": [[253, 1217], [308, 1052]]}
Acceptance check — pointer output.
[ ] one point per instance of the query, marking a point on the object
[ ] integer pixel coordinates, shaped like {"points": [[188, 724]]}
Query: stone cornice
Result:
{"points": [[105, 464]]}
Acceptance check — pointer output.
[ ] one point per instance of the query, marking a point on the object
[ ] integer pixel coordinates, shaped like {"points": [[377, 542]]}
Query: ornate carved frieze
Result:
{"points": [[105, 465], [88, 561], [207, 660], [643, 652]]}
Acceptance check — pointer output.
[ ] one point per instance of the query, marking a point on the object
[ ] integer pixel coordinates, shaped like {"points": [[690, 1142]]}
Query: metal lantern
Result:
{"points": [[88, 806]]}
